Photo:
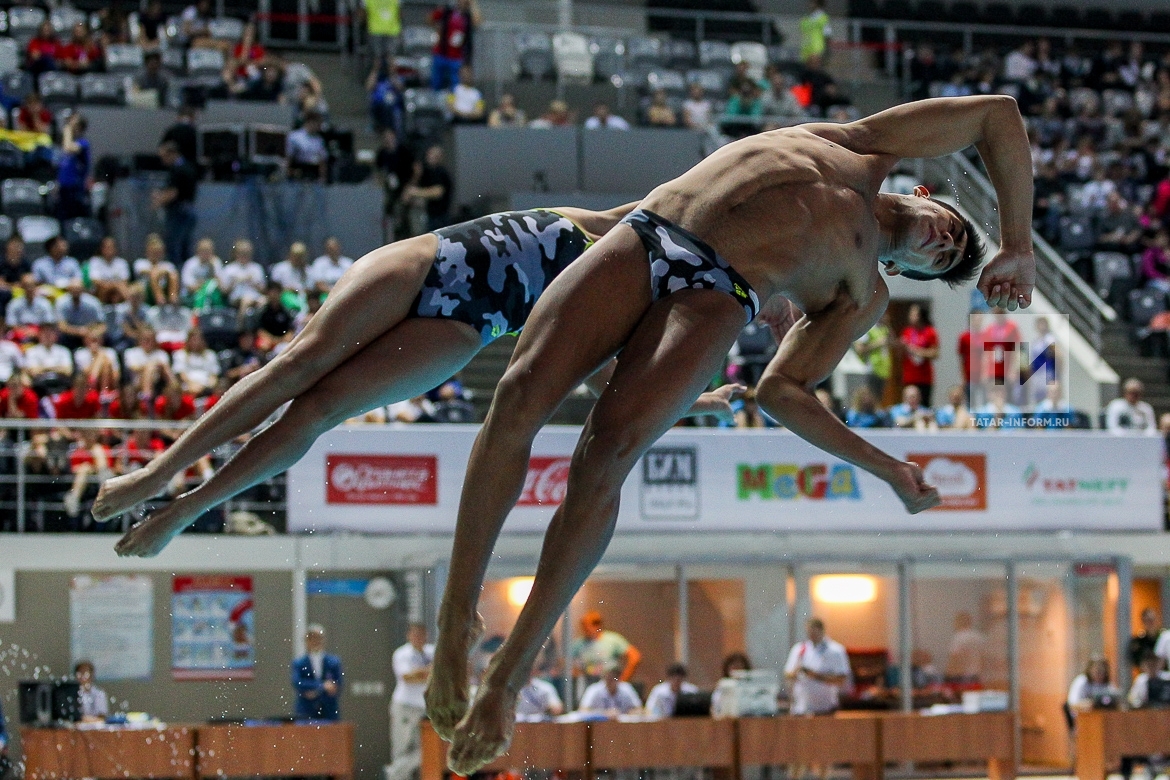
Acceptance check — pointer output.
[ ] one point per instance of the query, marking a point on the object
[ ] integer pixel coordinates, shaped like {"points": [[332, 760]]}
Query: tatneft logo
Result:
{"points": [[1067, 489], [961, 479], [670, 484], [381, 479], [789, 481], [546, 482]]}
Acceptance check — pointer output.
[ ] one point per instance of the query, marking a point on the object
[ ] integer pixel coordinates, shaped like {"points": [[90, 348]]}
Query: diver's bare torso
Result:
{"points": [[790, 210]]}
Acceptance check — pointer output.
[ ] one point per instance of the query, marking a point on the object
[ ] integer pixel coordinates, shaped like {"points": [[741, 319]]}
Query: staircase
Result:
{"points": [[1119, 351], [481, 375]]}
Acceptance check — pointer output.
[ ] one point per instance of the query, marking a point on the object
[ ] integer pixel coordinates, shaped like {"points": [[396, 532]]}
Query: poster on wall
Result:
{"points": [[111, 624], [213, 628], [7, 595]]}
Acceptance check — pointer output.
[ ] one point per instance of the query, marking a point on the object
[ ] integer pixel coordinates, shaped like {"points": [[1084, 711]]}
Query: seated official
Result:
{"points": [[316, 678], [95, 705], [1093, 688], [610, 695], [537, 701], [664, 695], [1152, 668]]}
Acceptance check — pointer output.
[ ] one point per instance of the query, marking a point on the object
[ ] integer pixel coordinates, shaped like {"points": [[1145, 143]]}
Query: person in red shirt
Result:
{"points": [[920, 350], [43, 50], [81, 54], [127, 406], [174, 404], [1000, 365], [140, 447], [246, 55], [455, 25], [81, 402], [32, 116], [17, 399], [88, 457]]}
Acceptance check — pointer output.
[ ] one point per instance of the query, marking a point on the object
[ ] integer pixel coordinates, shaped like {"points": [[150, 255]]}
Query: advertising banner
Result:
{"points": [[213, 628], [722, 480], [111, 625]]}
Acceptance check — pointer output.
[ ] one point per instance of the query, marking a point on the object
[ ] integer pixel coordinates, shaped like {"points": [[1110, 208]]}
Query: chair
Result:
{"points": [[58, 88], [1077, 234], [124, 58], [671, 81], [681, 54], [535, 56], [226, 28], [1144, 305], [715, 54], [7, 228], [37, 229], [84, 235], [23, 22], [174, 59], [645, 51], [107, 89], [12, 160], [220, 327], [573, 60], [21, 198], [1108, 266], [64, 18], [754, 54], [18, 84], [426, 113], [1116, 101], [713, 82], [204, 62], [609, 57], [9, 56], [417, 41]]}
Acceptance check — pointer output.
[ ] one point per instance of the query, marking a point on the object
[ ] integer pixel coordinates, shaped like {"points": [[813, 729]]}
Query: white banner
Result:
{"points": [[408, 479], [7, 595], [111, 624]]}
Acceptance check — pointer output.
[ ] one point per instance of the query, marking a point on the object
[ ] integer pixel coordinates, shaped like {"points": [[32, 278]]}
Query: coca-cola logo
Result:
{"points": [[547, 480], [381, 479]]}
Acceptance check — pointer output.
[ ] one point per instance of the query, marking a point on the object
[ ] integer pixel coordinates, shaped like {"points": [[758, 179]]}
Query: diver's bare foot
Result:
{"points": [[446, 694], [485, 733], [121, 494], [148, 538]]}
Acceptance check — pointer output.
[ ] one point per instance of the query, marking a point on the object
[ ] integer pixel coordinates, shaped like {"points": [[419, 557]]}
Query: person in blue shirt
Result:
{"points": [[864, 413], [73, 171], [998, 412], [317, 678]]}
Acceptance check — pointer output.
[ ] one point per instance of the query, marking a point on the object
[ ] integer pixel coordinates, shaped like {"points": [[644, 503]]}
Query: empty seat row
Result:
{"points": [[84, 234], [1030, 15]]}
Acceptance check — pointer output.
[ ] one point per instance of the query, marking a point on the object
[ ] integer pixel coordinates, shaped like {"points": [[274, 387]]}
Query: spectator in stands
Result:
{"points": [[43, 50], [237, 363], [151, 79], [48, 364], [506, 114], [56, 268], [305, 151], [292, 274], [177, 198], [183, 134], [412, 410], [28, 309], [920, 349], [150, 22], [748, 413], [328, 268], [11, 357], [394, 168], [696, 109], [911, 413], [130, 318], [1020, 64], [1129, 415], [557, 115], [467, 105], [157, 274], [196, 366], [114, 23], [1156, 261], [455, 24], [659, 113], [276, 320], [107, 274], [663, 696], [610, 695], [199, 270], [815, 32], [128, 405], [73, 170], [268, 88], [1118, 228], [243, 62], [194, 23], [864, 412], [13, 268], [242, 279], [385, 91], [98, 364], [146, 365], [432, 188], [77, 310], [745, 101], [955, 414], [32, 116], [998, 411], [602, 119], [173, 404], [88, 457], [383, 26], [79, 402], [1053, 401], [874, 350], [779, 100], [82, 54], [18, 401]]}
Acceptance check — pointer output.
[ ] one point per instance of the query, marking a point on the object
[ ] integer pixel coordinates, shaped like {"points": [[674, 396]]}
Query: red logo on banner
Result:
{"points": [[381, 479], [546, 482]]}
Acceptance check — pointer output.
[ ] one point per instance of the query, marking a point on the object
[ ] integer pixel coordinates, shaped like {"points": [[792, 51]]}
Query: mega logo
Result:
{"points": [[790, 481], [961, 480], [381, 479], [547, 480]]}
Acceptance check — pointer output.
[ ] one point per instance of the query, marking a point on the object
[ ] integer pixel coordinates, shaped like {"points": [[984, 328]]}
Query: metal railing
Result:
{"points": [[28, 501], [1055, 279]]}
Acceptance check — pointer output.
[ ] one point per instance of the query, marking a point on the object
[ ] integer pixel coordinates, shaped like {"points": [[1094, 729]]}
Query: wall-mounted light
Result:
{"points": [[844, 589], [518, 590]]}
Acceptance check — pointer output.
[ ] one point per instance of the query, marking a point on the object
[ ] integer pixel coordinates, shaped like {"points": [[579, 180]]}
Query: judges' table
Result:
{"points": [[985, 736], [1104, 736], [303, 749], [107, 753], [677, 742], [818, 740], [548, 746]]}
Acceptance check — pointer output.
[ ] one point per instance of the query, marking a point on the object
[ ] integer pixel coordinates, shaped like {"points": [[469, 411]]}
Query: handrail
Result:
{"points": [[1013, 31]]}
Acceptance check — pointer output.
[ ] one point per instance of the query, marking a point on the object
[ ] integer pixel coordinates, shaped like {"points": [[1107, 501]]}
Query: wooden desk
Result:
{"points": [[677, 742], [817, 740], [275, 751], [67, 754], [550, 746], [986, 736], [1104, 736]]}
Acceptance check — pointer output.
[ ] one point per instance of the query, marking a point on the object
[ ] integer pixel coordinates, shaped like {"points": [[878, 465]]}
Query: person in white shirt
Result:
{"points": [[1020, 64], [1091, 687], [108, 273], [817, 669], [242, 280], [602, 119], [31, 308], [537, 701], [95, 705], [1130, 415], [466, 101], [47, 356], [292, 274], [411, 410], [11, 358], [200, 268], [412, 668], [158, 275], [98, 363], [328, 268], [1152, 667], [196, 365], [610, 694], [966, 652], [664, 695], [146, 363], [696, 109]]}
